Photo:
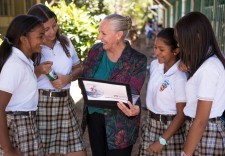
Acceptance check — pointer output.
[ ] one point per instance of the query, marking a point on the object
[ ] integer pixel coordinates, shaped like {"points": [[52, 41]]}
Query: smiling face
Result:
{"points": [[164, 52], [31, 43], [51, 29], [36, 38], [108, 36]]}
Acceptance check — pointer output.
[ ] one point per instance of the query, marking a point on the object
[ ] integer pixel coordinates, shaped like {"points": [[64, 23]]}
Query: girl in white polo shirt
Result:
{"points": [[205, 88], [18, 88], [57, 120], [163, 133]]}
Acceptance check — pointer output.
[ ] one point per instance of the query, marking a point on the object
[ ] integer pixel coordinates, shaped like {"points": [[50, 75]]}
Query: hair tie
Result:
{"points": [[7, 40], [129, 22]]}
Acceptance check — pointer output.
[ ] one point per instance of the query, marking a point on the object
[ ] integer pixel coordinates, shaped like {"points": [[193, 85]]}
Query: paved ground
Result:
{"points": [[76, 93]]}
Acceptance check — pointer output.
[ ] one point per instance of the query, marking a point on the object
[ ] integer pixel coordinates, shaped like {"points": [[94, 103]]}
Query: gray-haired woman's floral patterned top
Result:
{"points": [[121, 131]]}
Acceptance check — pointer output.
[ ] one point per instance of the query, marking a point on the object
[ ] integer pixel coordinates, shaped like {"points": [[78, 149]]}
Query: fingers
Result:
{"points": [[46, 67], [123, 108], [183, 67], [133, 110], [60, 82], [48, 62], [149, 150], [130, 104]]}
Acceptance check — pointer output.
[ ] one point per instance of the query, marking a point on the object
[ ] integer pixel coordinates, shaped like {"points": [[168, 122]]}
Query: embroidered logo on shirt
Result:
{"points": [[164, 85]]}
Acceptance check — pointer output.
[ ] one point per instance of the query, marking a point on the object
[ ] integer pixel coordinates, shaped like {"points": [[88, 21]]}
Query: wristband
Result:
{"points": [[162, 141]]}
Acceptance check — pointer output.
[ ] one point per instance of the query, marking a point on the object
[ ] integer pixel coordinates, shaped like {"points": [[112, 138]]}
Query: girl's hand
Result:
{"points": [[13, 152], [61, 82], [155, 148], [183, 67], [43, 68], [133, 110]]}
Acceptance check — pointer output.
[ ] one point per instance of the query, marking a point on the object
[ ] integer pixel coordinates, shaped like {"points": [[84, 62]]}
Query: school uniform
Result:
{"points": [[57, 120], [208, 84], [164, 91], [16, 74]]}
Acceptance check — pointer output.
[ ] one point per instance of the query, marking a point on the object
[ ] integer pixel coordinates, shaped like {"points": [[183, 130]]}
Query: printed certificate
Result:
{"points": [[104, 94]]}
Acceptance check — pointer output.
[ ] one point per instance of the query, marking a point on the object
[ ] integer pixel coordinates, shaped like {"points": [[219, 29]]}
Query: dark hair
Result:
{"points": [[167, 35], [196, 40], [44, 13], [20, 26]]}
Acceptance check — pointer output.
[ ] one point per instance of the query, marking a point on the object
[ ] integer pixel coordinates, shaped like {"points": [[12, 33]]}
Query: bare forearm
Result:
{"points": [[198, 126], [176, 123], [4, 133], [76, 72], [174, 126], [194, 136]]}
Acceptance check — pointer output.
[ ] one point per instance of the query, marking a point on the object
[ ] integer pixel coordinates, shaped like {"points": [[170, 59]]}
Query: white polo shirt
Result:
{"points": [[208, 84], [163, 101], [17, 77], [61, 63]]}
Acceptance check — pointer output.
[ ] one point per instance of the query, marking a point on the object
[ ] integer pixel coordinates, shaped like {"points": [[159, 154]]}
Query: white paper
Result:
{"points": [[105, 92]]}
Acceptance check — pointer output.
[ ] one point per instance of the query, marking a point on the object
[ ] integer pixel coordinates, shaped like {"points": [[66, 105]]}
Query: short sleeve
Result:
{"points": [[179, 85], [10, 77], [207, 80], [74, 55], [153, 66]]}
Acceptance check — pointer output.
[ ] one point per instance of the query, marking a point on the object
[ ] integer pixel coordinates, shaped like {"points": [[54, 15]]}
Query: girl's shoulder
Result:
{"points": [[212, 63], [154, 64]]}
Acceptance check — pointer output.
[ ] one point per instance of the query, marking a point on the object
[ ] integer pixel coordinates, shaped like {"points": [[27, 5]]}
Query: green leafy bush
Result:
{"points": [[78, 24]]}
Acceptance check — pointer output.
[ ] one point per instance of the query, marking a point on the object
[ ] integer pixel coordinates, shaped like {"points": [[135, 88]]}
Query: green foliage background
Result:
{"points": [[79, 19], [78, 25]]}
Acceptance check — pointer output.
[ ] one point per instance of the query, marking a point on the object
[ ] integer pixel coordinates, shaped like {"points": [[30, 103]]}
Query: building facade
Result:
{"points": [[11, 8], [169, 12]]}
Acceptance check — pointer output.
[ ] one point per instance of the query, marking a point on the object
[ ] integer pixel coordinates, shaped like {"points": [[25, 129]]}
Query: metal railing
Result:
{"points": [[215, 11]]}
